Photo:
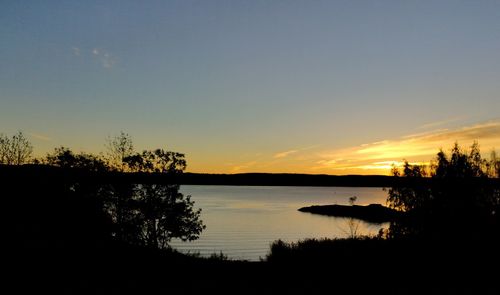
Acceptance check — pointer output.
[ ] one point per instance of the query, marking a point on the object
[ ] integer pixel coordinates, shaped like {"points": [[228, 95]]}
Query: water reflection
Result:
{"points": [[242, 221]]}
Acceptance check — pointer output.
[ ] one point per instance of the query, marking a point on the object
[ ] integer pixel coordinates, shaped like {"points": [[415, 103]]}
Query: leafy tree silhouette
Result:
{"points": [[65, 158], [158, 161], [458, 197], [162, 213], [151, 215], [144, 214], [148, 214]]}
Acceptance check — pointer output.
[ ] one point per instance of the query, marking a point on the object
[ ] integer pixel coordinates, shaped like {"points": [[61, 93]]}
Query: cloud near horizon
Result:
{"points": [[242, 167], [378, 157]]}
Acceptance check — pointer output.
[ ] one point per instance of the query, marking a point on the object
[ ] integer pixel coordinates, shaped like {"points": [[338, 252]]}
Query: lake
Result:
{"points": [[242, 221]]}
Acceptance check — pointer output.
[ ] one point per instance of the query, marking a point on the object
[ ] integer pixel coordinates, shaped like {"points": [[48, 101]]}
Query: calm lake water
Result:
{"points": [[242, 221]]}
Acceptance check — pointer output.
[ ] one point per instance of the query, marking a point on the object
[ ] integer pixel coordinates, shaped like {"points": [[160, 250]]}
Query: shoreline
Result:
{"points": [[372, 213]]}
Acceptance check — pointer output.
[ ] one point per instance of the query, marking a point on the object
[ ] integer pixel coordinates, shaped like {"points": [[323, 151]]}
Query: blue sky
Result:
{"points": [[238, 84]]}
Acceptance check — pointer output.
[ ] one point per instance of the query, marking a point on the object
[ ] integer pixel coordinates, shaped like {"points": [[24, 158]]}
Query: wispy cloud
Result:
{"points": [[243, 167], [103, 57], [284, 154], [108, 61], [439, 123], [293, 151], [417, 148], [39, 136], [76, 51]]}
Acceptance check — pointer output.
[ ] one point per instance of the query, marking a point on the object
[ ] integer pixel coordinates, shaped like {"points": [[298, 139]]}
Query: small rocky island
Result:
{"points": [[373, 213]]}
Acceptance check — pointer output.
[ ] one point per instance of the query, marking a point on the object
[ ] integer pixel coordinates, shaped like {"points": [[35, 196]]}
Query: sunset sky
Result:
{"points": [[336, 87]]}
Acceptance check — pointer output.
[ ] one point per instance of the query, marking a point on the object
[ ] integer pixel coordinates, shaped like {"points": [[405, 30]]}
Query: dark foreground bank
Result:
{"points": [[59, 240], [311, 267]]}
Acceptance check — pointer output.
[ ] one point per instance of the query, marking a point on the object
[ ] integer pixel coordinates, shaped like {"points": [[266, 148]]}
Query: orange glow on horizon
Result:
{"points": [[370, 158]]}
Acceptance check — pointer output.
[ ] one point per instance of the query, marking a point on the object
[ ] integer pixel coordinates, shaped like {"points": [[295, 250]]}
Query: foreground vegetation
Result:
{"points": [[459, 200], [73, 227]]}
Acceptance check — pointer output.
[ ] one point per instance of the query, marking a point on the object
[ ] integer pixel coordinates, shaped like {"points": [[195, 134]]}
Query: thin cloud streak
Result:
{"points": [[294, 151], [284, 154], [439, 123], [39, 136], [243, 167]]}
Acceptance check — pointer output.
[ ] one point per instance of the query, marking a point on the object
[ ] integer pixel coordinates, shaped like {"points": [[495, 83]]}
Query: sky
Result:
{"points": [[330, 87]]}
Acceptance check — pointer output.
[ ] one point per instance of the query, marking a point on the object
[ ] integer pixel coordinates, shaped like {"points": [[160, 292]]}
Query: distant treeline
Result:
{"points": [[250, 179]]}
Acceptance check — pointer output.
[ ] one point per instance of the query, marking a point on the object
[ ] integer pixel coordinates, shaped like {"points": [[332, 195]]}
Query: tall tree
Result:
{"points": [[16, 150], [493, 165], [164, 213], [119, 148], [4, 148], [152, 214]]}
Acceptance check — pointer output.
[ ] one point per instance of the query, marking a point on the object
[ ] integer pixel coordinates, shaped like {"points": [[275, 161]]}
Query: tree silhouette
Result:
{"points": [[149, 214], [404, 198], [162, 213], [494, 165], [457, 197], [16, 150], [353, 223], [152, 214], [4, 148], [119, 148], [159, 161], [142, 214], [65, 158]]}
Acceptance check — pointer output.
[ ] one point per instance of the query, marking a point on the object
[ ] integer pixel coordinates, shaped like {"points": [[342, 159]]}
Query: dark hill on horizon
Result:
{"points": [[286, 179], [250, 179], [190, 178]]}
